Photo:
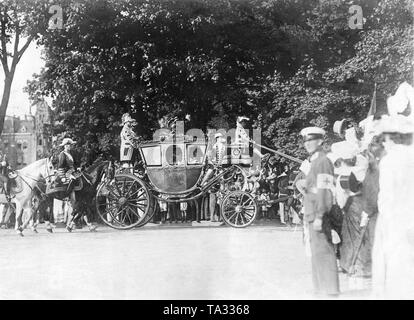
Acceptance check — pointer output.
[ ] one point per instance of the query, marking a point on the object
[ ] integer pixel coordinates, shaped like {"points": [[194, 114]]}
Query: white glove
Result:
{"points": [[364, 219], [335, 237], [3, 163]]}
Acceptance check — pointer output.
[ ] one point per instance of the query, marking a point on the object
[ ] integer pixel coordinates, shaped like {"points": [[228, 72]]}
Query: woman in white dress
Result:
{"points": [[393, 252]]}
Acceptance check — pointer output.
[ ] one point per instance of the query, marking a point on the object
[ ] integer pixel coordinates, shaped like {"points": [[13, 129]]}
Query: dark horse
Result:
{"points": [[82, 207]]}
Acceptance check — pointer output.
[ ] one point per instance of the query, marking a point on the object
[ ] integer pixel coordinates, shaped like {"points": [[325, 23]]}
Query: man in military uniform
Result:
{"points": [[318, 202], [129, 140]]}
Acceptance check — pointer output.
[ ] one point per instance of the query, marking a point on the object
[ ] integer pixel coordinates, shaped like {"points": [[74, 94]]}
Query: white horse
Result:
{"points": [[27, 178]]}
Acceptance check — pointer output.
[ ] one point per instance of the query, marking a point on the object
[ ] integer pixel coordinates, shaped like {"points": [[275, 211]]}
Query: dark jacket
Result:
{"points": [[65, 163]]}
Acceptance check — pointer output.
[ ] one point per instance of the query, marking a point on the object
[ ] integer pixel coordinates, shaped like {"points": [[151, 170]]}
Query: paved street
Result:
{"points": [[159, 262]]}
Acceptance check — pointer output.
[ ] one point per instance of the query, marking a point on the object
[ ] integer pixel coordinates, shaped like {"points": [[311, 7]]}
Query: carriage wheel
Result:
{"points": [[239, 209], [124, 202], [151, 212]]}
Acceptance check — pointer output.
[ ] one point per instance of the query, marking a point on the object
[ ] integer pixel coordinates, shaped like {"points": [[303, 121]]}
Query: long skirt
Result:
{"points": [[351, 239]]}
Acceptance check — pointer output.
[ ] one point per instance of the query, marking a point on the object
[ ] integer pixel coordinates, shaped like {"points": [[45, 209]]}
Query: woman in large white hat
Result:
{"points": [[393, 252], [355, 257]]}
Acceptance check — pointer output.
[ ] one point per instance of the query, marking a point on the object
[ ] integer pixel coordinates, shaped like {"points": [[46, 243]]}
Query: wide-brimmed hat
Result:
{"points": [[66, 141], [343, 150], [394, 124], [400, 100]]}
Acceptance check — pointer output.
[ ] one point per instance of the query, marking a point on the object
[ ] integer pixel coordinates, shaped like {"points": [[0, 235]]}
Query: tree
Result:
{"points": [[154, 58], [20, 24], [285, 63]]}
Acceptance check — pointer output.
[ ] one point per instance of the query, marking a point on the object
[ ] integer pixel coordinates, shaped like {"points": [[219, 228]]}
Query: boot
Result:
{"points": [[70, 226], [49, 227]]}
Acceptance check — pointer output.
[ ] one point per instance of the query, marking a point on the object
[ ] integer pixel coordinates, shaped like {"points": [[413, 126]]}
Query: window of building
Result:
{"points": [[40, 142]]}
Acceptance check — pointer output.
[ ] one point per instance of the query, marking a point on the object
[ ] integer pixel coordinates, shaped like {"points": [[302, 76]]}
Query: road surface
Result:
{"points": [[156, 262]]}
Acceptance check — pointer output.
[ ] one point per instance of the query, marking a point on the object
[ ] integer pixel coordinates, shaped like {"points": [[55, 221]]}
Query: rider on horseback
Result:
{"points": [[66, 170], [66, 164]]}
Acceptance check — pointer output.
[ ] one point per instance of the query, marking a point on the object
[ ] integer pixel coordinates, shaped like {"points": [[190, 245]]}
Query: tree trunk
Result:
{"points": [[5, 99]]}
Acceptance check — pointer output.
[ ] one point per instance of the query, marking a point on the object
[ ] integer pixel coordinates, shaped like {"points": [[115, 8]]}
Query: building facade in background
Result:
{"points": [[28, 138]]}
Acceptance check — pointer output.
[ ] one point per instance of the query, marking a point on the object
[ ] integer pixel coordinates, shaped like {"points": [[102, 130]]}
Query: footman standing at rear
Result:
{"points": [[318, 202]]}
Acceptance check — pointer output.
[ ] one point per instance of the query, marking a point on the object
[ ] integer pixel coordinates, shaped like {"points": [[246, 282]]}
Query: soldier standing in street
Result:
{"points": [[318, 202]]}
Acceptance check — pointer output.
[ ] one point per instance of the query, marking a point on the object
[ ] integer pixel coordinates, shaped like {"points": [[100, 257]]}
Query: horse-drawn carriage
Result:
{"points": [[175, 171]]}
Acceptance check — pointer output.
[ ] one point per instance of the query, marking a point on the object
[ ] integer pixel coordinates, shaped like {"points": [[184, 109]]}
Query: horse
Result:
{"points": [[90, 179], [21, 193]]}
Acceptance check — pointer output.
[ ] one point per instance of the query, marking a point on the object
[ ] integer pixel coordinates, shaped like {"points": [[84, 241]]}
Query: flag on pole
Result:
{"points": [[373, 107], [368, 123]]}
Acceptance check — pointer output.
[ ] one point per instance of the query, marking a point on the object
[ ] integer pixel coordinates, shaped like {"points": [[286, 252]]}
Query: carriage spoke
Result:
{"points": [[244, 203], [118, 213], [137, 192], [129, 216], [137, 213], [117, 187], [242, 218], [130, 188], [232, 216], [139, 199], [249, 215], [140, 205], [114, 216]]}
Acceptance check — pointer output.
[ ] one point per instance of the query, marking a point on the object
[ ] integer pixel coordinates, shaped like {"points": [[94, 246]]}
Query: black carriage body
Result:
{"points": [[174, 168]]}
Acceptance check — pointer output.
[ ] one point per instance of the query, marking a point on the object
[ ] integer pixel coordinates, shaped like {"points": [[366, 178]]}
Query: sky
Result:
{"points": [[29, 64]]}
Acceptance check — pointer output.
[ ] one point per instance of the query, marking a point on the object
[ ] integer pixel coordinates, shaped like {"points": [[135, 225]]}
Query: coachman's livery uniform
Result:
{"points": [[129, 139]]}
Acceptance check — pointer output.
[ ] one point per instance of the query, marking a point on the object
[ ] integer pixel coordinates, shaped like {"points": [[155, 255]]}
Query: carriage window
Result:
{"points": [[152, 155], [195, 154], [174, 155]]}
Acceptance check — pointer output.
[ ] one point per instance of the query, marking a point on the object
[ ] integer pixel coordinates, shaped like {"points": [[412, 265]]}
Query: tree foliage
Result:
{"points": [[285, 63]]}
